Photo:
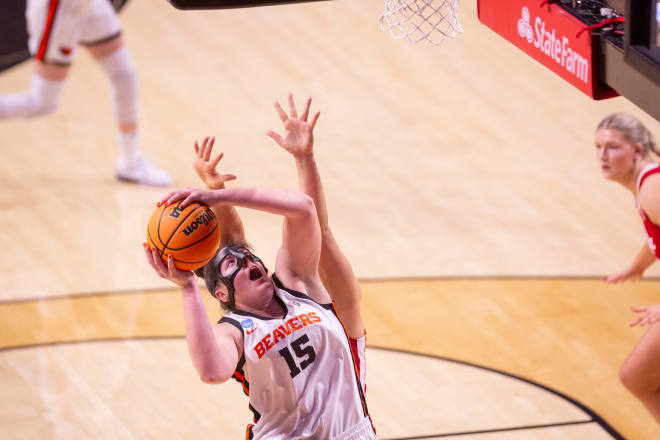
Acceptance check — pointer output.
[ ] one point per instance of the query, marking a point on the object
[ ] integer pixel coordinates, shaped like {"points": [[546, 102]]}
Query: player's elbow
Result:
{"points": [[307, 206], [213, 377]]}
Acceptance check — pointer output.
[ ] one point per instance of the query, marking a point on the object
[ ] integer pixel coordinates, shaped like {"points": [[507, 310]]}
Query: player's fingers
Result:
{"points": [[158, 262], [177, 195], [292, 107], [646, 319], [635, 322], [188, 200], [314, 119], [639, 309], [281, 113], [171, 268], [216, 161], [613, 278], [164, 199], [209, 148], [274, 136], [202, 149], [147, 253], [305, 112], [227, 177], [196, 149]]}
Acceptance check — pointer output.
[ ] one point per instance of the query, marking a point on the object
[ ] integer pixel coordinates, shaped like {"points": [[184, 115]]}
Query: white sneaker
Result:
{"points": [[137, 170]]}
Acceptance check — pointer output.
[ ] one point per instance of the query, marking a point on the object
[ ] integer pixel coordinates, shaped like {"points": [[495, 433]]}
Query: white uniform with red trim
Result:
{"points": [[300, 372], [56, 27]]}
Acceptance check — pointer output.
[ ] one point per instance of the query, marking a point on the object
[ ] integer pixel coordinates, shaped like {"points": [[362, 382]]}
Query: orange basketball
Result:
{"points": [[190, 235]]}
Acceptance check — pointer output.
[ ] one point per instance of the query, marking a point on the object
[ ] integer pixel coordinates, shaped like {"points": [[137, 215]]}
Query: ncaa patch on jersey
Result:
{"points": [[247, 323]]}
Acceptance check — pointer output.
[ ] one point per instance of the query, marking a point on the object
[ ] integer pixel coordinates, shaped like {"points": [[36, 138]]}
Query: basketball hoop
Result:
{"points": [[417, 20]]}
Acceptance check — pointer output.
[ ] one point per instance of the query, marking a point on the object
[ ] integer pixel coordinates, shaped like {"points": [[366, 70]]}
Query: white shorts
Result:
{"points": [[56, 27]]}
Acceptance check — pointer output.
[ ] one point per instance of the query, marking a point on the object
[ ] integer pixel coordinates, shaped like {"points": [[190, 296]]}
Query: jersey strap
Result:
{"points": [[653, 169]]}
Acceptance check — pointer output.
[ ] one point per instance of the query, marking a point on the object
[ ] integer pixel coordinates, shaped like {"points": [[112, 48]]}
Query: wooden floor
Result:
{"points": [[461, 183]]}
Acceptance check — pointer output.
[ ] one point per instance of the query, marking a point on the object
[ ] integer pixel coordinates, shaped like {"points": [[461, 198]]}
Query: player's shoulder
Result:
{"points": [[649, 195]]}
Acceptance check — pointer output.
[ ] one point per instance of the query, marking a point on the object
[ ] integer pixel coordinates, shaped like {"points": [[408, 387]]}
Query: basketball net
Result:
{"points": [[417, 20]]}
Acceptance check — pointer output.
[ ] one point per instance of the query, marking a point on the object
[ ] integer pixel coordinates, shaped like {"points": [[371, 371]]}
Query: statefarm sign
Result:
{"points": [[548, 34]]}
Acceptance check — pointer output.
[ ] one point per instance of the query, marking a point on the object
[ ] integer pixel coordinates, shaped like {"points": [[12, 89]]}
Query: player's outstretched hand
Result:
{"points": [[169, 271], [648, 315], [626, 275], [206, 168], [298, 137]]}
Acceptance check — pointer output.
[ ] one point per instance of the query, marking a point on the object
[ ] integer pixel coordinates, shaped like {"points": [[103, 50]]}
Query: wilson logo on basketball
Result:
{"points": [[176, 211], [202, 219], [555, 46]]}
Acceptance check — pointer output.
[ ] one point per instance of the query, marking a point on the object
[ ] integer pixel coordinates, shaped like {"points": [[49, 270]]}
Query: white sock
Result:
{"points": [[128, 147]]}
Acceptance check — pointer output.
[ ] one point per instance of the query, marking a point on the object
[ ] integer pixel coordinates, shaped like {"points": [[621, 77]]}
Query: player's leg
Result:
{"points": [[41, 99], [102, 36], [52, 35], [640, 372]]}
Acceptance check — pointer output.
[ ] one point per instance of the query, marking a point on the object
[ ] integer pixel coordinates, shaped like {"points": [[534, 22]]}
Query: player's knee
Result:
{"points": [[123, 79], [42, 107], [44, 97], [632, 376]]}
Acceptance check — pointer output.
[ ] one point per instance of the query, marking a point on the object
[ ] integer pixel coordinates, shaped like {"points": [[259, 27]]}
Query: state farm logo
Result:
{"points": [[524, 28], [553, 45]]}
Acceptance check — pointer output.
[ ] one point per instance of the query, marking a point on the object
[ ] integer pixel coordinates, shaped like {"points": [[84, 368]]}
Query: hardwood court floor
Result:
{"points": [[121, 358], [466, 160]]}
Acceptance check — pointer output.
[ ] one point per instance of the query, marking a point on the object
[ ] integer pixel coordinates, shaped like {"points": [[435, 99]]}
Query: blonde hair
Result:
{"points": [[632, 130]]}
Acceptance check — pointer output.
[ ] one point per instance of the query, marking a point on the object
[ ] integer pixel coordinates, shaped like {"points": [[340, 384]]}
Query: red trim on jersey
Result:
{"points": [[355, 368], [354, 350], [652, 229], [52, 9], [239, 377]]}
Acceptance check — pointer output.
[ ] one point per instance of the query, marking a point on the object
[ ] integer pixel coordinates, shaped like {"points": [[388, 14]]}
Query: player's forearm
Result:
{"points": [[231, 225], [203, 347], [643, 260], [290, 204], [309, 182]]}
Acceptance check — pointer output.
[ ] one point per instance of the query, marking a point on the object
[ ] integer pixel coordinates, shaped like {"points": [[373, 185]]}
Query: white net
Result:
{"points": [[417, 20]]}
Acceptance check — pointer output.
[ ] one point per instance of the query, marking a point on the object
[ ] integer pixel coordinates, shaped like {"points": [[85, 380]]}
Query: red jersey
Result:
{"points": [[652, 229]]}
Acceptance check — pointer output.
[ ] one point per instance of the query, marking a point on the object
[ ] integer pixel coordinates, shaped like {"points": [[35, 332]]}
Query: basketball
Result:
{"points": [[191, 235]]}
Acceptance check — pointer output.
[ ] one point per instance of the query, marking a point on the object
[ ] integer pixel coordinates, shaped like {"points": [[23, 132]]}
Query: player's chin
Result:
{"points": [[608, 175], [264, 284]]}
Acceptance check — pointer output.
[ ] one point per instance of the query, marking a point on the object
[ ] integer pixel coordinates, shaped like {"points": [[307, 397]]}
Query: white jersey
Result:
{"points": [[300, 373], [56, 27]]}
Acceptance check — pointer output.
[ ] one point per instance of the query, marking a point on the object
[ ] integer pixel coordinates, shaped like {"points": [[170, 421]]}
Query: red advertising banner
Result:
{"points": [[549, 35]]}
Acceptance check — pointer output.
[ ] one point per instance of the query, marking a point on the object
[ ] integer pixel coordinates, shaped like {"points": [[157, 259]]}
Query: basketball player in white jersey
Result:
{"points": [[299, 365], [624, 146], [56, 28], [334, 268]]}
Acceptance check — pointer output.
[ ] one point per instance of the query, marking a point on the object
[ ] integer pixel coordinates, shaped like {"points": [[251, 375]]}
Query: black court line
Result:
{"points": [[361, 280], [593, 417], [490, 431]]}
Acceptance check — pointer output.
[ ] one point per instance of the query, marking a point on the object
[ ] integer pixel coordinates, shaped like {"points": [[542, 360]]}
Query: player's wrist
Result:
{"points": [[304, 156]]}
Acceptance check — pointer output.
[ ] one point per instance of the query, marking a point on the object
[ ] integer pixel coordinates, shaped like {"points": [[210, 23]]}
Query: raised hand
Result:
{"points": [[206, 168], [649, 315], [298, 137]]}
